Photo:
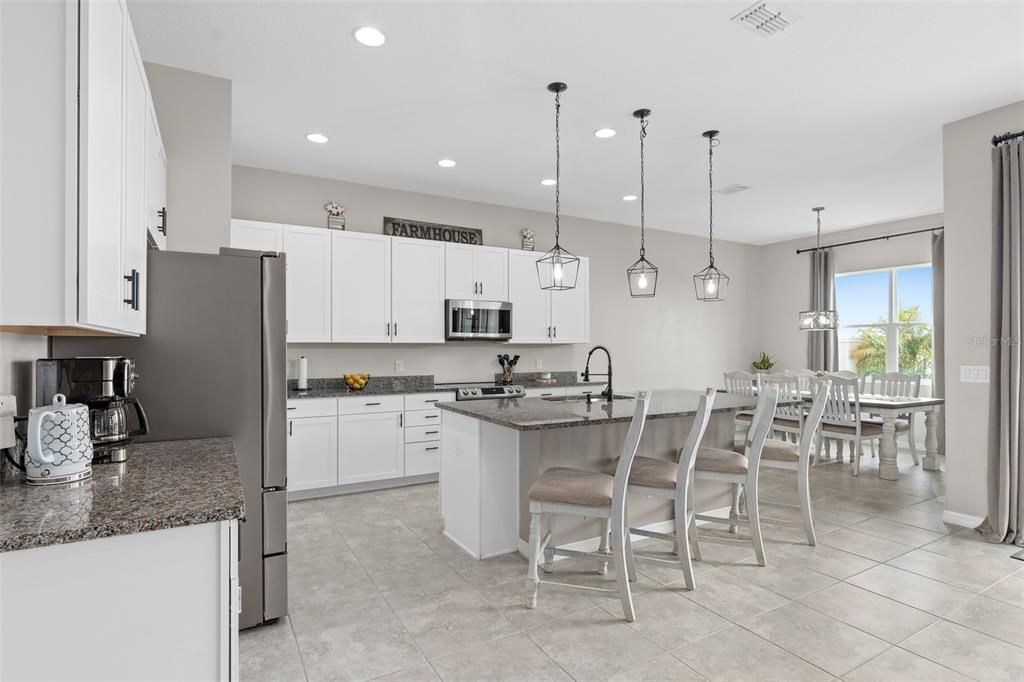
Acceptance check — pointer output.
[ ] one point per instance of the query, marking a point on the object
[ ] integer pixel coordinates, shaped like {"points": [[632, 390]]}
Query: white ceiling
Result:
{"points": [[843, 109]]}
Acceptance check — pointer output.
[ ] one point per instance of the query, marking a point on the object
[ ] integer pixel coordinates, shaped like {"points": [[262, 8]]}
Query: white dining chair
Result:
{"points": [[780, 454], [803, 377], [842, 420], [561, 490], [739, 470], [788, 418], [660, 478], [898, 385]]}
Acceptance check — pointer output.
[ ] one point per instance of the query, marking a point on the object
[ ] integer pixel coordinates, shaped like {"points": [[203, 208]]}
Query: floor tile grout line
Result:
{"points": [[973, 629]]}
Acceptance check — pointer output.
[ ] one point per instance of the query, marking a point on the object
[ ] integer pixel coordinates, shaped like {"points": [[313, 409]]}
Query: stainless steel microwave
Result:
{"points": [[477, 320]]}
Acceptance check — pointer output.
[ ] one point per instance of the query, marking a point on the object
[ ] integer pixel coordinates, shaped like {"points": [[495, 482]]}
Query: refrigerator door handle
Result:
{"points": [[275, 408]]}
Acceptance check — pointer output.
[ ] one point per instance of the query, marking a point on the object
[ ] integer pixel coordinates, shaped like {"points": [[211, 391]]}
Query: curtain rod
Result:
{"points": [[873, 239], [1005, 137]]}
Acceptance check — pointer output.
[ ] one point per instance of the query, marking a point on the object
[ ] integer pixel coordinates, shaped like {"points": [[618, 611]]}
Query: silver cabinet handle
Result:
{"points": [[133, 280], [162, 214]]}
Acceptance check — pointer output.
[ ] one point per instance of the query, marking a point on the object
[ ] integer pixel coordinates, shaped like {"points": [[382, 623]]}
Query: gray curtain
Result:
{"points": [[939, 331], [823, 347], [1005, 521]]}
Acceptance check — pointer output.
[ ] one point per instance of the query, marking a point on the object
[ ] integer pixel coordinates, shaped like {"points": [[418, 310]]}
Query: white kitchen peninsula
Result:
{"points": [[493, 451]]}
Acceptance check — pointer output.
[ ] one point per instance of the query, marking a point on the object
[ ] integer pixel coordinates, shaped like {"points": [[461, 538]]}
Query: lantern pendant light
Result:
{"points": [[822, 319], [711, 284], [642, 275], [557, 269]]}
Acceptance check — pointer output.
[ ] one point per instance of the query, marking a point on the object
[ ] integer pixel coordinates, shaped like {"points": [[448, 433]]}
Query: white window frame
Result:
{"points": [[892, 338]]}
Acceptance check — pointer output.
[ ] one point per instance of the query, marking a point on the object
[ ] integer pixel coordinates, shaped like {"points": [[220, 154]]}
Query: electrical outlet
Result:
{"points": [[399, 365], [8, 408], [539, 364], [974, 374]]}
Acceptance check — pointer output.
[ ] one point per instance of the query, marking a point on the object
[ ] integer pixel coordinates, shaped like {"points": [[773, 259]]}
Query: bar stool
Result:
{"points": [[561, 490], [729, 466], [659, 477]]}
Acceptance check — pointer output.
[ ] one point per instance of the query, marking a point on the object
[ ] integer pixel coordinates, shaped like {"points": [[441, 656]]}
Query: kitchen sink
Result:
{"points": [[582, 397]]}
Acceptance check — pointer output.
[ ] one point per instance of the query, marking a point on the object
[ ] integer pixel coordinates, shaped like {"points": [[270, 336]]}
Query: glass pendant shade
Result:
{"points": [[558, 269], [711, 284], [643, 278], [818, 320]]}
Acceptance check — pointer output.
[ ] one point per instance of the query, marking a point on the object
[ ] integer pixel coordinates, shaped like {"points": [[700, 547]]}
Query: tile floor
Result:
{"points": [[889, 593]]}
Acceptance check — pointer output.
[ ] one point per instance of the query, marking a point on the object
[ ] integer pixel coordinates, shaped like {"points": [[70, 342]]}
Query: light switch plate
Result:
{"points": [[399, 365], [539, 364], [8, 408], [974, 374]]}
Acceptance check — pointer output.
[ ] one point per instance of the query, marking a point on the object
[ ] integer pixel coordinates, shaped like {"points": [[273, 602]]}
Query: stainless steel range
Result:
{"points": [[483, 390]]}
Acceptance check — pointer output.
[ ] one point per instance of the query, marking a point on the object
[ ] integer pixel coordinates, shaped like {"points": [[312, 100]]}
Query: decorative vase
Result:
{"points": [[336, 222], [528, 239]]}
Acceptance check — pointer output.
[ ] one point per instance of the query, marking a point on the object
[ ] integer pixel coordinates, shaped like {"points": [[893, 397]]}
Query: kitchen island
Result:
{"points": [[129, 574], [494, 450]]}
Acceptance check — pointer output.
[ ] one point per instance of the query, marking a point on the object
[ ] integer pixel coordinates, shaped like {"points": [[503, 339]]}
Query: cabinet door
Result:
{"points": [[460, 272], [101, 153], [134, 237], [531, 314], [312, 452], [492, 273], [156, 182], [370, 447], [308, 284], [546, 392], [256, 235], [570, 310], [360, 287], [417, 291]]}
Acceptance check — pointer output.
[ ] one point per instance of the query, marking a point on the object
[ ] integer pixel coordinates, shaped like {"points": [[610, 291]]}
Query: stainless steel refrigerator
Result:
{"points": [[213, 363]]}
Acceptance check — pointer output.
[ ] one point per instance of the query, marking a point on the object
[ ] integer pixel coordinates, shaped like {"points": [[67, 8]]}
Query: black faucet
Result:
{"points": [[607, 393]]}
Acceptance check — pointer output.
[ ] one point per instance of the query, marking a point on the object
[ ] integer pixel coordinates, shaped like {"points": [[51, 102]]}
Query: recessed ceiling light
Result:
{"points": [[547, 182], [369, 36], [604, 132], [445, 163], [629, 197], [319, 138]]}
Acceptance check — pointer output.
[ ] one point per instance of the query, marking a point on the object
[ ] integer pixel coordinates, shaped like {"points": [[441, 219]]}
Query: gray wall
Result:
{"points": [[17, 355], [967, 187], [194, 111], [670, 340]]}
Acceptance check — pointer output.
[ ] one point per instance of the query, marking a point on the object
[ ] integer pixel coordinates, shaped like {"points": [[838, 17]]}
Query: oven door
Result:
{"points": [[478, 320]]}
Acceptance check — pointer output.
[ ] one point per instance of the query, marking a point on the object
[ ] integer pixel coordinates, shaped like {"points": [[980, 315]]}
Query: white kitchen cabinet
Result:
{"points": [[476, 273], [547, 391], [371, 447], [308, 283], [312, 452], [156, 182], [540, 316], [531, 305], [417, 291], [360, 287], [256, 235], [76, 209], [570, 310]]}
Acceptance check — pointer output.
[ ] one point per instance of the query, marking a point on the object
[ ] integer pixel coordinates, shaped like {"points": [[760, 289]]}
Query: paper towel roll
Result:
{"points": [[303, 373]]}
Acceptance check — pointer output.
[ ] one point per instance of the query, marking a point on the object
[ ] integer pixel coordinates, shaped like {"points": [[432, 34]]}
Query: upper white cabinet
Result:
{"points": [[75, 208], [308, 283], [476, 273], [256, 235], [417, 291], [360, 287], [156, 182], [540, 316]]}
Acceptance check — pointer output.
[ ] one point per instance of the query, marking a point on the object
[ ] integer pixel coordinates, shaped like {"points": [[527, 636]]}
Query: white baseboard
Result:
{"points": [[592, 544], [958, 519], [368, 486]]}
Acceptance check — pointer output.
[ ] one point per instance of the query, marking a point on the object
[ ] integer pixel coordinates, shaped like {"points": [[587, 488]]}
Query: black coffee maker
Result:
{"points": [[105, 385]]}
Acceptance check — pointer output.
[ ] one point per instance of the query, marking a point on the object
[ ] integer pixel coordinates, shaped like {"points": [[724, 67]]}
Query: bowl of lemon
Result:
{"points": [[356, 381]]}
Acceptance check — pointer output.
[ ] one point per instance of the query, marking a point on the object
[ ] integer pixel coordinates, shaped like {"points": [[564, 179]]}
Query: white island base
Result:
{"points": [[487, 471], [157, 605]]}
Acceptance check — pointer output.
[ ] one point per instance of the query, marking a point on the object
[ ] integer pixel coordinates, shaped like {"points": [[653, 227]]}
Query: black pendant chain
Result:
{"points": [[558, 161], [712, 143], [643, 135]]}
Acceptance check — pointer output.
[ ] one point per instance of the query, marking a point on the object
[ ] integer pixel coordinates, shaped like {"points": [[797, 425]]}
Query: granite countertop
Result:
{"points": [[384, 385], [163, 484], [535, 414]]}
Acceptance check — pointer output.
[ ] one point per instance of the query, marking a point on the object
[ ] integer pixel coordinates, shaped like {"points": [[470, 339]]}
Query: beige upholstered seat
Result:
{"points": [[866, 429], [721, 461], [649, 471], [900, 424], [573, 486], [779, 451], [780, 422]]}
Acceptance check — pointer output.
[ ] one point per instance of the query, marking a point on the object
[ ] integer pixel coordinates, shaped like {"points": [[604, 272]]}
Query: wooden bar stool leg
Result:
{"points": [[630, 560], [734, 510], [532, 581], [605, 530], [803, 484], [621, 575], [683, 535], [753, 515]]}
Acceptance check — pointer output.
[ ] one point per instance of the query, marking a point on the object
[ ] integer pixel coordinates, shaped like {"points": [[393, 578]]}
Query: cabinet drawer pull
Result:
{"points": [[401, 419], [430, 433], [162, 213], [133, 280], [430, 416], [432, 400], [433, 448], [372, 404], [292, 408], [290, 424]]}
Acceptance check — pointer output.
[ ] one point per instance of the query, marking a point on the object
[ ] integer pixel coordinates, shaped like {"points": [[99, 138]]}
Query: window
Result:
{"points": [[885, 320]]}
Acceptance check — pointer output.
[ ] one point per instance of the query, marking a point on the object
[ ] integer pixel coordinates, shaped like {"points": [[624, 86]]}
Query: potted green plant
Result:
{"points": [[763, 364]]}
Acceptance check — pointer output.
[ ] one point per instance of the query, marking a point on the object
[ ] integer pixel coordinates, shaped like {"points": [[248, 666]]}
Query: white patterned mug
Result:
{"points": [[59, 443]]}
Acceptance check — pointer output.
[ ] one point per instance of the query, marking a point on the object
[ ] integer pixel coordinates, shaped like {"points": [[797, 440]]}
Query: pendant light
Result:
{"points": [[711, 284], [642, 275], [557, 269], [823, 319]]}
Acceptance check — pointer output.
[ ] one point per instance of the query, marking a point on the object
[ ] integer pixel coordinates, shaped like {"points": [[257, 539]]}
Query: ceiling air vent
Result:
{"points": [[732, 189], [764, 19]]}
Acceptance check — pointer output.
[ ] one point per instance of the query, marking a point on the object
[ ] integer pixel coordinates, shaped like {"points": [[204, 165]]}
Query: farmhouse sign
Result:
{"points": [[417, 229]]}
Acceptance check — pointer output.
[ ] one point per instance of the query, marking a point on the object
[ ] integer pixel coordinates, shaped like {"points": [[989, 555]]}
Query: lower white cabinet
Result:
{"points": [[371, 447], [423, 458], [312, 452]]}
